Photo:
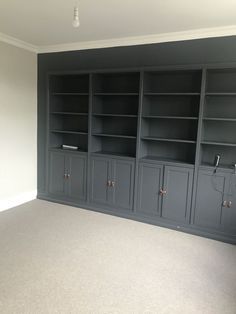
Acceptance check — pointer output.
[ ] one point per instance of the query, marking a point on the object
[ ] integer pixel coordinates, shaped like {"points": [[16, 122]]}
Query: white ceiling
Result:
{"points": [[44, 23]]}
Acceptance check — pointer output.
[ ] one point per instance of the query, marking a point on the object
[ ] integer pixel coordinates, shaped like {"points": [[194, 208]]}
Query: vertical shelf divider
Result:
{"points": [[198, 144], [91, 77], [47, 133], [139, 125]]}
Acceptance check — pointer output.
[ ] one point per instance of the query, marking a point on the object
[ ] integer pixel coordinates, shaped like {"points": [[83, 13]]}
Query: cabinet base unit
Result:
{"points": [[165, 191], [112, 182], [215, 206], [152, 145], [68, 175]]}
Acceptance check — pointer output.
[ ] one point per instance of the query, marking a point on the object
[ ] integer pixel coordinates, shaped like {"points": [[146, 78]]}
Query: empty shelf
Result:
{"points": [[218, 143], [150, 138], [70, 93], [70, 113], [69, 132], [169, 117], [114, 135]]}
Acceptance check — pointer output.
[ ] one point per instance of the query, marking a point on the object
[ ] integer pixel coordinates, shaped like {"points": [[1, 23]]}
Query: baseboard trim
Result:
{"points": [[17, 200]]}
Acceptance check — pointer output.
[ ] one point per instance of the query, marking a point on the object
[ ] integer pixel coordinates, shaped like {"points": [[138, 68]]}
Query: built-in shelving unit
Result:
{"points": [[68, 108], [219, 118], [115, 113], [170, 115], [142, 138]]}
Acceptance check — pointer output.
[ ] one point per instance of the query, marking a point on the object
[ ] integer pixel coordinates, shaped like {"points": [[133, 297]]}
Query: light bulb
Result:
{"points": [[76, 22]]}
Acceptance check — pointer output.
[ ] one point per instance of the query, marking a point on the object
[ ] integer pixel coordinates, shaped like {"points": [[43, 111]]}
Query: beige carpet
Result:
{"points": [[60, 259]]}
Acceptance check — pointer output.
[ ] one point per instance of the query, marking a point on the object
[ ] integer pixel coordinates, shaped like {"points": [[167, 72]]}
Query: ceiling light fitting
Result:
{"points": [[76, 22]]}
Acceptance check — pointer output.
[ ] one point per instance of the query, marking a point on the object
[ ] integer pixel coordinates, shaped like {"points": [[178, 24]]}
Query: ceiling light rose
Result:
{"points": [[76, 22]]}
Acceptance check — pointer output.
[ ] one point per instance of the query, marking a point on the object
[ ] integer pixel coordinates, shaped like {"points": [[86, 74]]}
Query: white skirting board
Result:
{"points": [[17, 200]]}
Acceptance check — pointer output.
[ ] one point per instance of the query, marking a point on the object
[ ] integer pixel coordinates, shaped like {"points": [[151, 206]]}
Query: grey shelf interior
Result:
{"points": [[69, 84], [115, 113], [219, 131], [176, 82], [181, 106], [109, 145], [223, 107], [116, 83], [219, 118], [174, 129], [117, 105], [169, 117], [69, 122], [57, 139], [69, 103], [68, 107], [170, 114], [227, 153], [167, 150], [221, 81]]}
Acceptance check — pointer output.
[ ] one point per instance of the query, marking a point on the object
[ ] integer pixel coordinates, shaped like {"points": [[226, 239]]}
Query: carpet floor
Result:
{"points": [[61, 259]]}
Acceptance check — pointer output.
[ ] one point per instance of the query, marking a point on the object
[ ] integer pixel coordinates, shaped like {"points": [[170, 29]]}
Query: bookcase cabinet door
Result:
{"points": [[57, 183], [78, 177], [209, 199], [123, 178], [100, 178], [177, 199], [150, 183], [229, 212]]}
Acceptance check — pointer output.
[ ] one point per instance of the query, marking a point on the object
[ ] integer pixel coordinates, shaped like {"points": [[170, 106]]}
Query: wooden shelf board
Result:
{"points": [[114, 135], [69, 132], [164, 159], [218, 143], [170, 94], [70, 94], [101, 152], [169, 117], [222, 166], [220, 119], [116, 94], [68, 150], [114, 115], [221, 94], [150, 138], [69, 113]]}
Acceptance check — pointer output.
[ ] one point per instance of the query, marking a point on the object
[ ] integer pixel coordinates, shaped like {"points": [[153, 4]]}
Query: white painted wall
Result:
{"points": [[18, 125]]}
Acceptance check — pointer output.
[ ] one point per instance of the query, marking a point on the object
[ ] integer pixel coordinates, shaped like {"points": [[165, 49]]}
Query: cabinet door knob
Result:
{"points": [[163, 192], [224, 204], [113, 184], [68, 176], [109, 183], [65, 175], [229, 204]]}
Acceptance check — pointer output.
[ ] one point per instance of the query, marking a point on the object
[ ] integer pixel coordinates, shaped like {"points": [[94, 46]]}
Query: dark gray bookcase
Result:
{"points": [[170, 115], [147, 141], [219, 118], [115, 113], [69, 100]]}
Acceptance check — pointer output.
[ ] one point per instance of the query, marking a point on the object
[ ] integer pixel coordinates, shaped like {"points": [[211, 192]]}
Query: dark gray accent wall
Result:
{"points": [[202, 51]]}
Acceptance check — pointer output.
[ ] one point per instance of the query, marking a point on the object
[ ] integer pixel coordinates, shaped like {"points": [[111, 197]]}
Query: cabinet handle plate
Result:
{"points": [[229, 204], [163, 192], [224, 204]]}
